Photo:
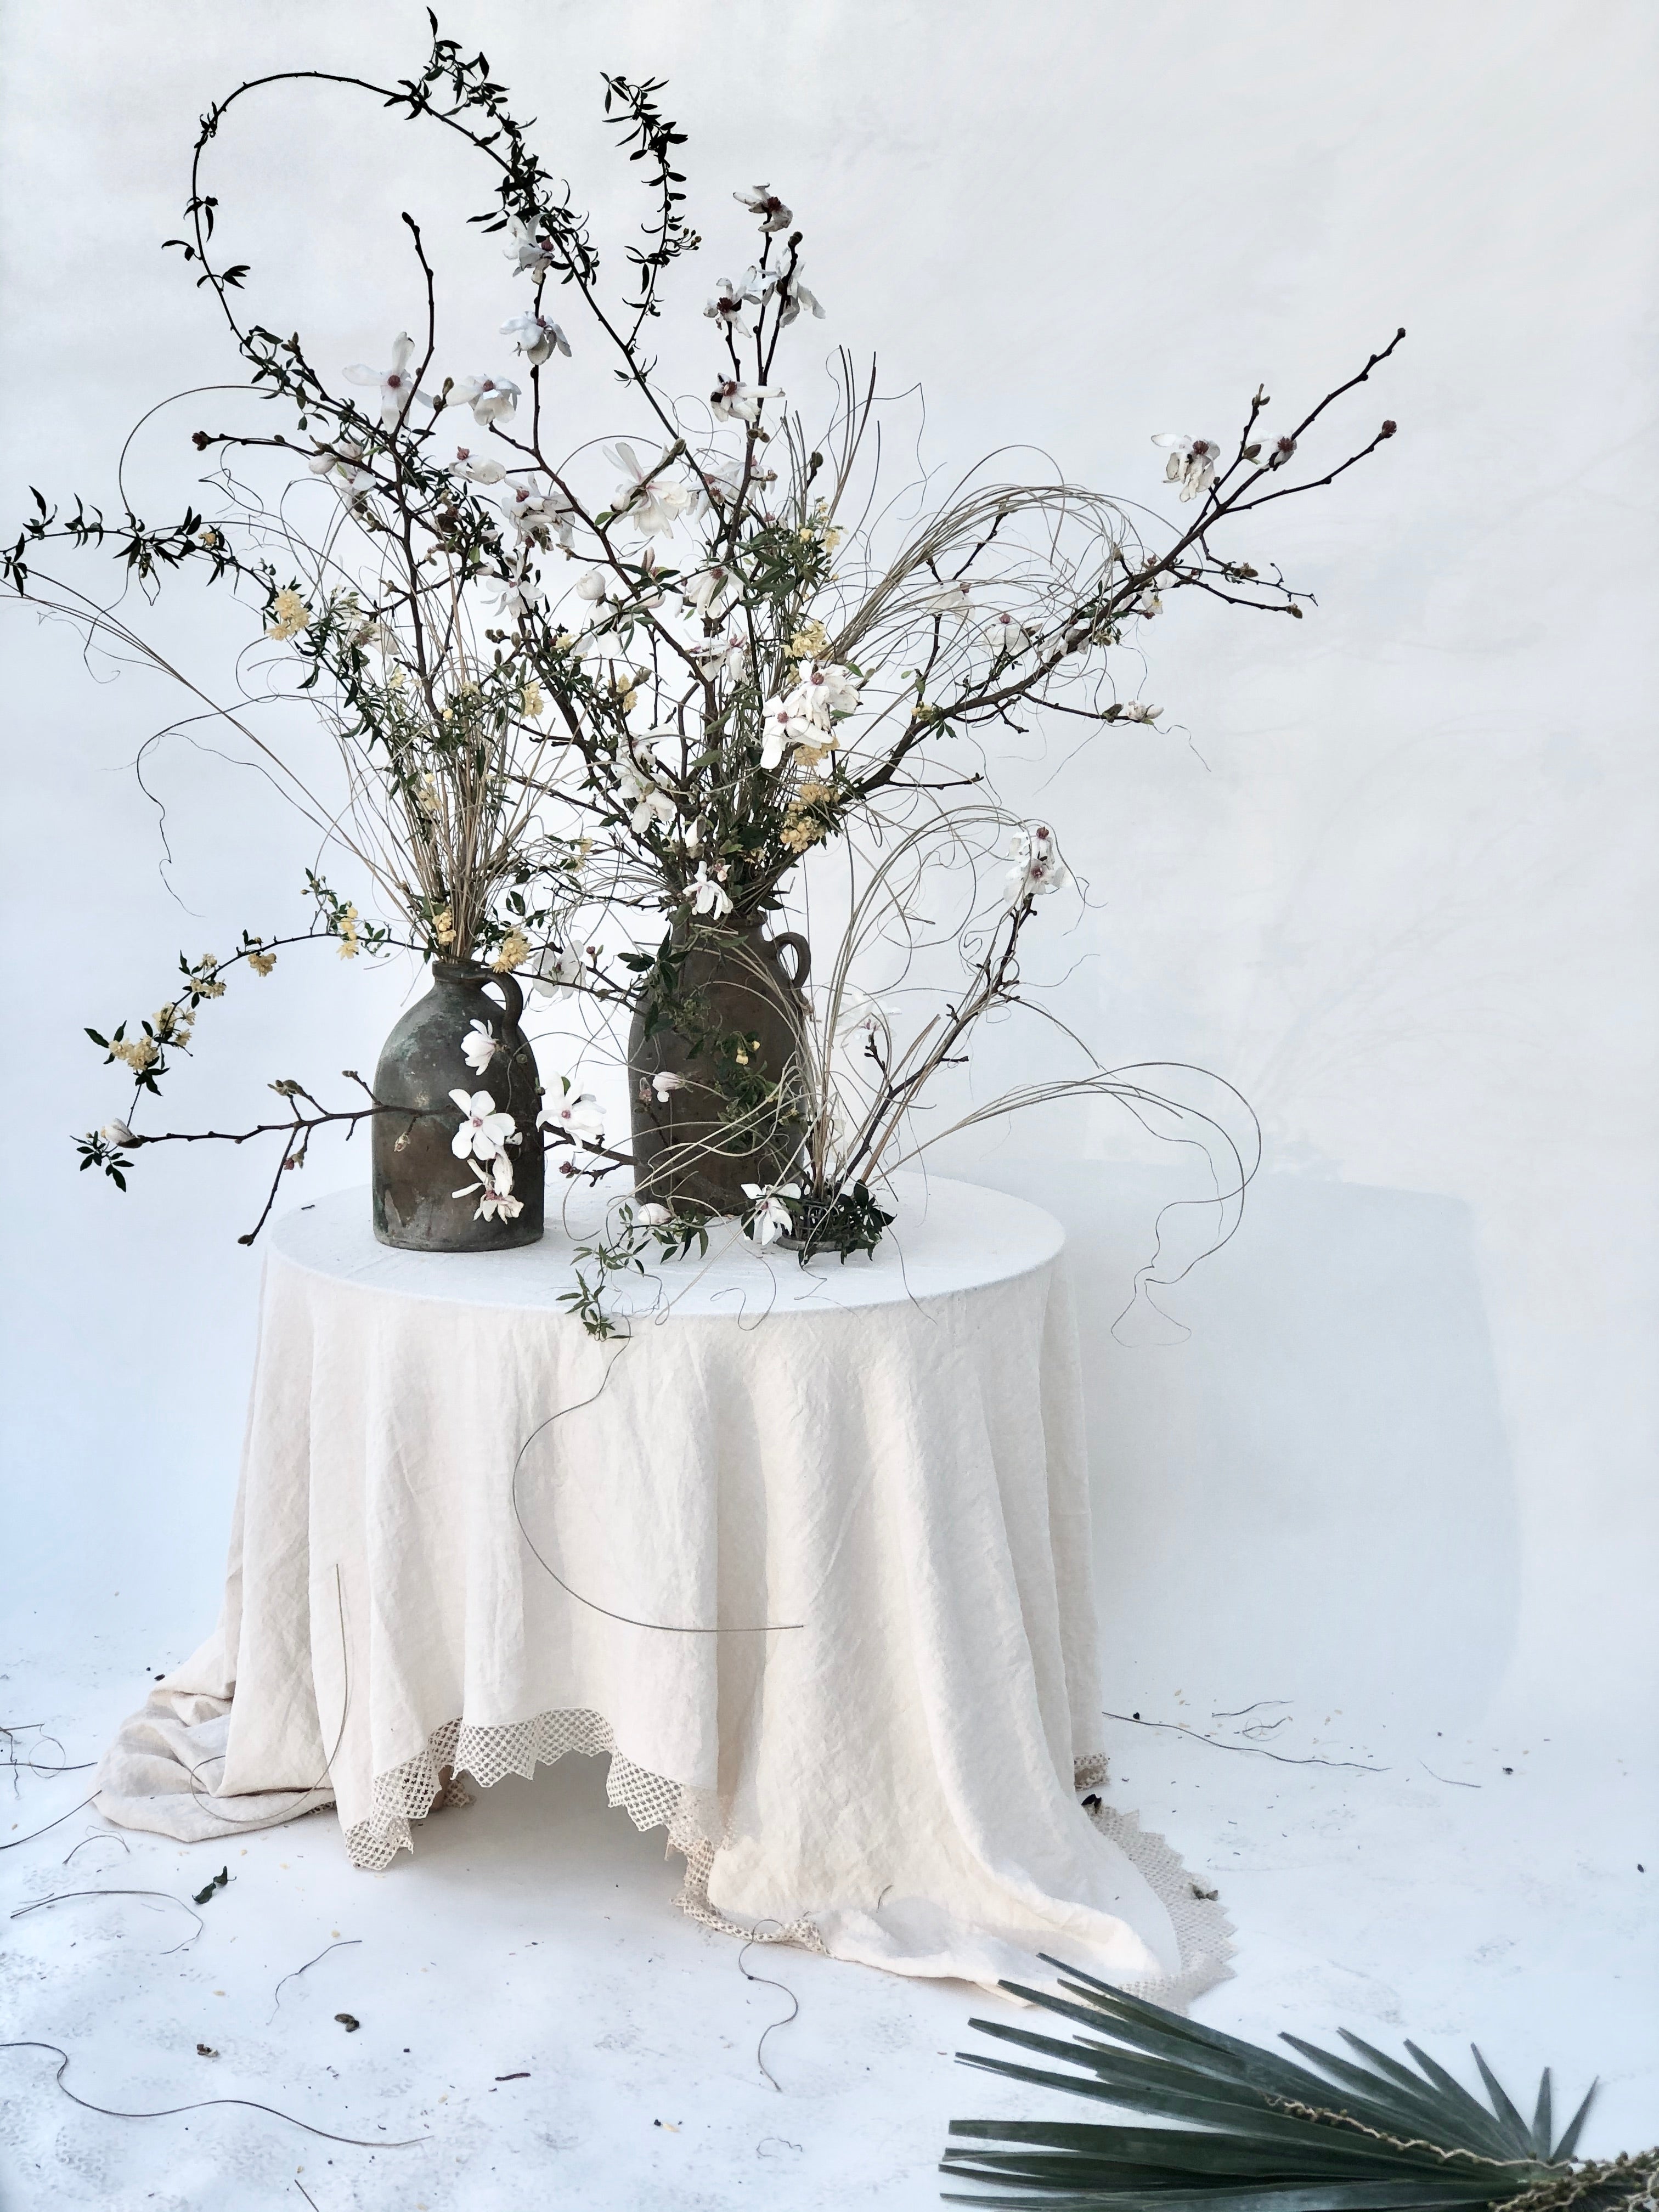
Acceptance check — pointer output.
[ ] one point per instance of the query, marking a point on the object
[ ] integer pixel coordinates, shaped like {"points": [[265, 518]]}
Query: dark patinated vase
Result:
{"points": [[729, 1030], [417, 1173]]}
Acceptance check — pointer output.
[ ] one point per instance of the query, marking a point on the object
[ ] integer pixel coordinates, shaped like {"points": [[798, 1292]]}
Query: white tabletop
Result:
{"points": [[947, 1236]]}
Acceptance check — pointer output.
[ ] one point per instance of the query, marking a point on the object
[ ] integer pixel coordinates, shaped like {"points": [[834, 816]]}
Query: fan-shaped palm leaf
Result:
{"points": [[1250, 2130]]}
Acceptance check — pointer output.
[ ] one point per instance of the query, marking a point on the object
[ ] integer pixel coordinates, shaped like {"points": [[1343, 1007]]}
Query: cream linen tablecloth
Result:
{"points": [[471, 1538]]}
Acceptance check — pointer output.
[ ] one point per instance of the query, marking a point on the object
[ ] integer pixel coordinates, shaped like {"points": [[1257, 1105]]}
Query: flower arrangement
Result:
{"points": [[602, 715]]}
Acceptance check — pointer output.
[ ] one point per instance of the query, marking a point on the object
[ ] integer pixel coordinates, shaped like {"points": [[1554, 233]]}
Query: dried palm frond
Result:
{"points": [[1254, 2132]]}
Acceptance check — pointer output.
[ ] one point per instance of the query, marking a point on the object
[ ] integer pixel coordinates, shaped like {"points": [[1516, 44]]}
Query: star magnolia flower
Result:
{"points": [[722, 474], [396, 385], [771, 1218], [1192, 461], [475, 468], [725, 309], [702, 590], [514, 594], [732, 402], [783, 726], [653, 1215], [652, 804], [664, 1083], [950, 599], [117, 1133], [1038, 869], [1138, 711], [556, 972], [344, 464], [728, 655], [534, 251], [493, 1190], [539, 339], [490, 398], [538, 512], [484, 1132], [793, 296], [652, 505], [706, 895], [1007, 633], [765, 202], [578, 1116], [822, 690], [479, 1048]]}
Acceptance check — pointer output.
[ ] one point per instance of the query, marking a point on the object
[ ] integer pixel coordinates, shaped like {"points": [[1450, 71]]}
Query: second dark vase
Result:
{"points": [[728, 1042]]}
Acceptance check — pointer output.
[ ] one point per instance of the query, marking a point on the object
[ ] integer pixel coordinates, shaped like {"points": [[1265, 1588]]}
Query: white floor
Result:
{"points": [[532, 1936]]}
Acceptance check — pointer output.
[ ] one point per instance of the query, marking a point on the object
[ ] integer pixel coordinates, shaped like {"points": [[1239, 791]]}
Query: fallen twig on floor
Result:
{"points": [[793, 2014], [205, 2104], [99, 1836], [343, 1944], [166, 1897], [1451, 1779], [17, 1842], [1255, 1750]]}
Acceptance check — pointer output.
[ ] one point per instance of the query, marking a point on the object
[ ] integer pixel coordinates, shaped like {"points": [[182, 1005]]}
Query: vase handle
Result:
{"points": [[802, 951], [510, 989]]}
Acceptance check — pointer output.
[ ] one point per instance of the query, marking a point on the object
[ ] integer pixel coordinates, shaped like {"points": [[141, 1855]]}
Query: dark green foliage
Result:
{"points": [[1251, 2131]]}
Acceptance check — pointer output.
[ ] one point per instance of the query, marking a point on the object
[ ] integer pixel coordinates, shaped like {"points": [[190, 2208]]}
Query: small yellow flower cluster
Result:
{"points": [[262, 963], [349, 933], [810, 642], [443, 929], [800, 829], [292, 614], [823, 529], [531, 704], [139, 1053], [515, 950]]}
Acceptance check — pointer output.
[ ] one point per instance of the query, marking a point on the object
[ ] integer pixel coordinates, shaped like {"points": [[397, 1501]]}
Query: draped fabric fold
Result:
{"points": [[806, 1554]]}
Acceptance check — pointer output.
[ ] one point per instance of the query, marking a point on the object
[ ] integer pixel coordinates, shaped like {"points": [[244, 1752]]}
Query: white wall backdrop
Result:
{"points": [[1390, 870]]}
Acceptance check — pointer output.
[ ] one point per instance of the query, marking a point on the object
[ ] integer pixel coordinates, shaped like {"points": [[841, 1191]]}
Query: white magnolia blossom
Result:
{"points": [[771, 1218], [702, 590], [1007, 633], [1138, 711], [664, 1083], [653, 1215], [764, 202], [493, 1189], [952, 599], [727, 656], [652, 505], [539, 339], [725, 309], [1192, 461], [578, 1116], [706, 894], [822, 690], [479, 1047], [732, 402], [538, 512], [722, 477], [514, 594], [793, 296], [484, 1132], [556, 972], [475, 468], [532, 250], [117, 1133], [344, 463], [1038, 868], [783, 726], [396, 385], [492, 399], [650, 804]]}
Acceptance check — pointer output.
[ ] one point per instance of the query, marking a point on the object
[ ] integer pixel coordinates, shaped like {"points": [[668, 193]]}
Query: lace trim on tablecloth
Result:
{"points": [[696, 1829]]}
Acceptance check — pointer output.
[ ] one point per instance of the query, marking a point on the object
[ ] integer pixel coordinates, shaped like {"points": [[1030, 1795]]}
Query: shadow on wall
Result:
{"points": [[1312, 1497]]}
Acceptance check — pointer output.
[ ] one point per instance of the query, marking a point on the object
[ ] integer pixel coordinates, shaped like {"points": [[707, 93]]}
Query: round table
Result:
{"points": [[805, 1550]]}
